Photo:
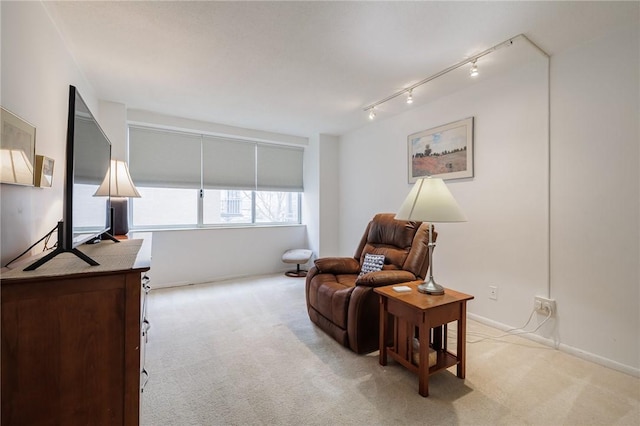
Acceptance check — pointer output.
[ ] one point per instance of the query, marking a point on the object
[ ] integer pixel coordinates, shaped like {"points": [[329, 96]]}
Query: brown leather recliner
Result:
{"points": [[345, 306]]}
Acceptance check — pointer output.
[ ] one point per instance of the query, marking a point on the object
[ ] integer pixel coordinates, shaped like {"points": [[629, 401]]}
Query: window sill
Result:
{"points": [[215, 227]]}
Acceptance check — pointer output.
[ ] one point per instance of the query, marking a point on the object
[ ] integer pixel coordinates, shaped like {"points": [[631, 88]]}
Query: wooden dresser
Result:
{"points": [[73, 338]]}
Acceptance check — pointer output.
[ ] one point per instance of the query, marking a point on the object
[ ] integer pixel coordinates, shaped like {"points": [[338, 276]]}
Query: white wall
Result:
{"points": [[113, 120], [203, 255], [329, 212], [575, 200], [504, 243], [595, 190], [200, 255], [594, 186], [311, 196], [37, 70], [321, 209], [164, 121]]}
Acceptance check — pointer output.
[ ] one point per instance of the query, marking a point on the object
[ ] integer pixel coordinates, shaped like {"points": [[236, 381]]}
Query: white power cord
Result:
{"points": [[511, 331]]}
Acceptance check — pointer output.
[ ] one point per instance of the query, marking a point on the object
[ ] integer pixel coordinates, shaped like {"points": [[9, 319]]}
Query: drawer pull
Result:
{"points": [[146, 325], [145, 283], [144, 375]]}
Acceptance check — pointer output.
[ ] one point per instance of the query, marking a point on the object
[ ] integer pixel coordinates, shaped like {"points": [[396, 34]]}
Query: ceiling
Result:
{"points": [[301, 68]]}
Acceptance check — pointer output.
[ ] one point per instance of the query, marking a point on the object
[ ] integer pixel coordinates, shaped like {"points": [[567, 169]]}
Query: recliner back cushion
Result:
{"points": [[389, 237], [387, 231], [404, 244]]}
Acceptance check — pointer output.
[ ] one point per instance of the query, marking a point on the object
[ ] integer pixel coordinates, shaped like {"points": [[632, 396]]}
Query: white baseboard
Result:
{"points": [[214, 279], [597, 359]]}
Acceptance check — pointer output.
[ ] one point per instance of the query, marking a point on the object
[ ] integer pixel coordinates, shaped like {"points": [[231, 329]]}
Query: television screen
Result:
{"points": [[90, 151], [87, 164]]}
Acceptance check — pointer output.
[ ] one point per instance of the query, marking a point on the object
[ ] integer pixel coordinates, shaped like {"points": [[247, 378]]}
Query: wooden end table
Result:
{"points": [[416, 311]]}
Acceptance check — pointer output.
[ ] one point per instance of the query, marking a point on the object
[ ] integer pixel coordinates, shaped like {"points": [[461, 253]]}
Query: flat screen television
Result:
{"points": [[88, 158]]}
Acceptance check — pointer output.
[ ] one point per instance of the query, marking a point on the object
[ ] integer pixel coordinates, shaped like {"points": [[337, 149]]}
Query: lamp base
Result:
{"points": [[430, 287], [120, 224]]}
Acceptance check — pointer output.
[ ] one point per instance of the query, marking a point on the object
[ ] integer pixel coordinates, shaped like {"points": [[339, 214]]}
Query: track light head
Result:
{"points": [[410, 97], [372, 113], [473, 72]]}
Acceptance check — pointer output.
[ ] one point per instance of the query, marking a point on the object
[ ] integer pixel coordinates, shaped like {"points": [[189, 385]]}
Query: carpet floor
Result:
{"points": [[243, 352]]}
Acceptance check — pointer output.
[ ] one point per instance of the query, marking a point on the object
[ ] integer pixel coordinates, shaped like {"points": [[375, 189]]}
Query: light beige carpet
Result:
{"points": [[244, 352]]}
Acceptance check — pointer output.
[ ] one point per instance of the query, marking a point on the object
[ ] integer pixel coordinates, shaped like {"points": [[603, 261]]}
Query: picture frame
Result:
{"points": [[17, 149], [44, 171], [444, 152]]}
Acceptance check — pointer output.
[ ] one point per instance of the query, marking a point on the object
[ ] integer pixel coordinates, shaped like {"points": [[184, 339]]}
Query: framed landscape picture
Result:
{"points": [[445, 152]]}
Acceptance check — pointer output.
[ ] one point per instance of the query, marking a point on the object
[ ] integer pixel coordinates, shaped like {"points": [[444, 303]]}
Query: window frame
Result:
{"points": [[201, 225], [200, 192]]}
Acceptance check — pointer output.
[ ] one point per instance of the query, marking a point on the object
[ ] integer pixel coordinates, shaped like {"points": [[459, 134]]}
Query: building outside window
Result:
{"points": [[231, 204]]}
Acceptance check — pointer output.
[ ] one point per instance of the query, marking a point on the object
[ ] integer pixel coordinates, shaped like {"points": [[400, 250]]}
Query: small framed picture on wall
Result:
{"points": [[44, 171], [445, 151]]}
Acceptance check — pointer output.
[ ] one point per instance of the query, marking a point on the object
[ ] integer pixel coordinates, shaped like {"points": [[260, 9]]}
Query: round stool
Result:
{"points": [[297, 256]]}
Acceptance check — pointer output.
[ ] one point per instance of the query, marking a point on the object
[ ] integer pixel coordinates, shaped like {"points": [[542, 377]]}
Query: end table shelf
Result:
{"points": [[427, 316], [445, 360]]}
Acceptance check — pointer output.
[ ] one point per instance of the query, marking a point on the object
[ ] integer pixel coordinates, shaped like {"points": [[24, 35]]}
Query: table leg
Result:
{"points": [[437, 338], [383, 331], [462, 335], [423, 369], [445, 337]]}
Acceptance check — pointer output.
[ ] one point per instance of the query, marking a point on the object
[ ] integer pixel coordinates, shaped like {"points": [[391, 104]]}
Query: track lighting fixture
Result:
{"points": [[473, 72]]}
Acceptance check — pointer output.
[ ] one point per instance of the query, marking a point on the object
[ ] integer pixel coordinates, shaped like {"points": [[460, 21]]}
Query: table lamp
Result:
{"points": [[119, 187], [430, 201]]}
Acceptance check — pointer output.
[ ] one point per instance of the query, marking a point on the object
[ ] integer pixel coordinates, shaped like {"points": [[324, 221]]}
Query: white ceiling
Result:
{"points": [[300, 68]]}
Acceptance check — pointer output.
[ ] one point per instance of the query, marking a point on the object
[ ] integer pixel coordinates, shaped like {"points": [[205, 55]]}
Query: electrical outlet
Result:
{"points": [[493, 292], [544, 306]]}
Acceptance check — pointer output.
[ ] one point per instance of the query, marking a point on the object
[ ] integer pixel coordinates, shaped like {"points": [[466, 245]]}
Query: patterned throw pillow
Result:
{"points": [[372, 262]]}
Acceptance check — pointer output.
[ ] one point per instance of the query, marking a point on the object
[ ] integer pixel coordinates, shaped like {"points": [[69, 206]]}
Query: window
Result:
{"points": [[165, 207], [231, 206], [191, 180], [276, 206], [227, 207], [232, 203]]}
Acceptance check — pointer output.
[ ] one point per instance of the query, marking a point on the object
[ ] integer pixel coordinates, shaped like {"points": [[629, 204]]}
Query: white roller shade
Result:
{"points": [[279, 168], [163, 158], [228, 164]]}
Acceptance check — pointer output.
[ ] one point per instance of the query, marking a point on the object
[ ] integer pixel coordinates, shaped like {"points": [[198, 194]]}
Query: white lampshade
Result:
{"points": [[121, 184], [430, 201]]}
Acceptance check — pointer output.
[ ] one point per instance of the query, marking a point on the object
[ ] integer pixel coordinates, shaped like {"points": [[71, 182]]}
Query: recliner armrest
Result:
{"points": [[385, 277], [337, 265]]}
